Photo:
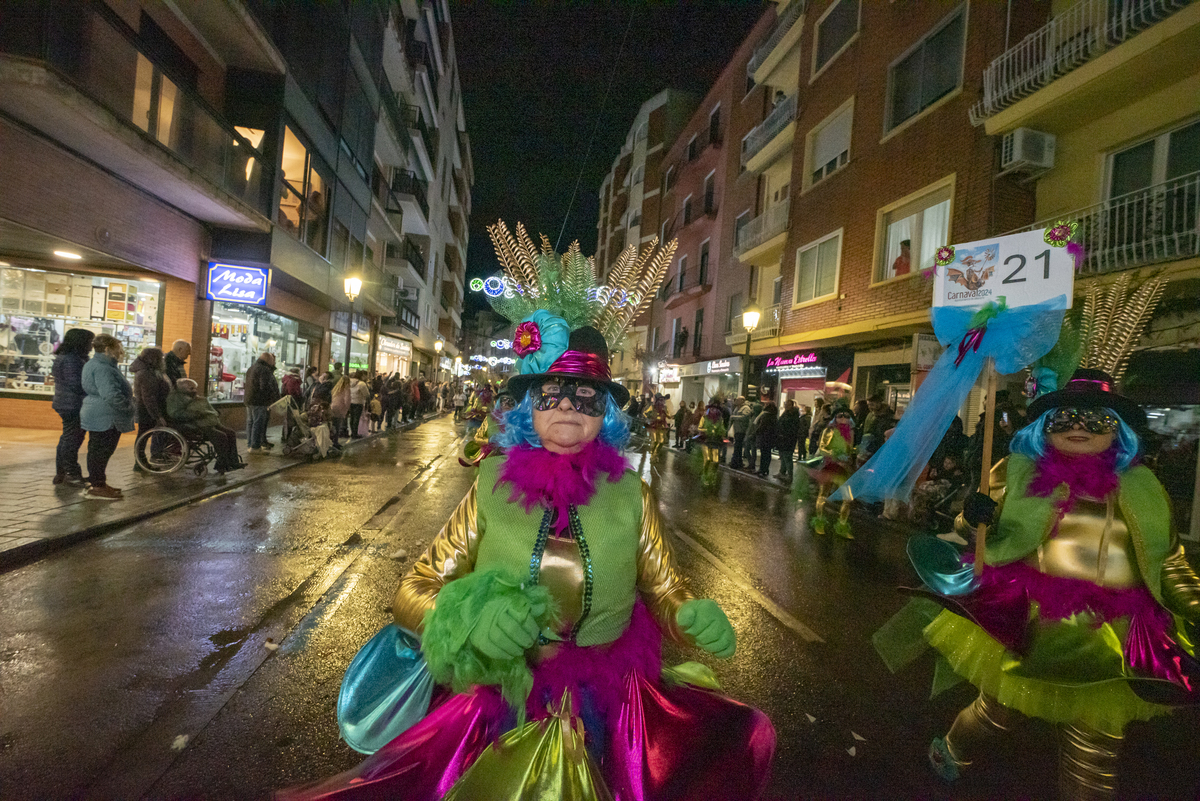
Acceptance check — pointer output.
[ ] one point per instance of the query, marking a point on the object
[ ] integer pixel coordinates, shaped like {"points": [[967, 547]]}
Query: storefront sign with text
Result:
{"points": [[234, 283], [793, 360]]}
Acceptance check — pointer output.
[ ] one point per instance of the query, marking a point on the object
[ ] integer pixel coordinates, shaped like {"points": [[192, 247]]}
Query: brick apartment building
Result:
{"points": [[630, 197], [870, 145], [704, 192], [141, 142]]}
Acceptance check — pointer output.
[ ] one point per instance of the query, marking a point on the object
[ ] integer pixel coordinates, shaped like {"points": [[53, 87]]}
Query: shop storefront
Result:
{"points": [[241, 329], [796, 377], [360, 340], [701, 381], [38, 306], [393, 355]]}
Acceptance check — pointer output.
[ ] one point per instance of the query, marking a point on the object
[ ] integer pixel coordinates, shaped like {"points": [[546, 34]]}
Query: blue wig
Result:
{"points": [[518, 425], [1031, 440]]}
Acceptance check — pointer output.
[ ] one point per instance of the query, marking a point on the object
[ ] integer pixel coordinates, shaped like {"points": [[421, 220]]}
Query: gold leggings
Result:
{"points": [[1087, 758], [712, 455], [828, 489], [658, 437]]}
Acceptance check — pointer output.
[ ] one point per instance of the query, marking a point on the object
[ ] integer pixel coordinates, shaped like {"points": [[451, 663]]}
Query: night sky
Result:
{"points": [[534, 77]]}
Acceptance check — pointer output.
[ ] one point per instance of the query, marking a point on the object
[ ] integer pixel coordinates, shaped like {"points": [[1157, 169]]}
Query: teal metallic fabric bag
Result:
{"points": [[386, 690]]}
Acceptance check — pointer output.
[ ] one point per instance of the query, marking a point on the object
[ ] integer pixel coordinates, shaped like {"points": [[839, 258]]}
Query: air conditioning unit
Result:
{"points": [[1026, 150]]}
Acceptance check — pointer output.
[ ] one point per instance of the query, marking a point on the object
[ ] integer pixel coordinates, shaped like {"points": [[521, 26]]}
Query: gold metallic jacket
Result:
{"points": [[1092, 542], [453, 552]]}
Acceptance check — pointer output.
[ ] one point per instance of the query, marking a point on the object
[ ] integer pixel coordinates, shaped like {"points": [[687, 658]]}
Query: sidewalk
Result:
{"points": [[37, 516]]}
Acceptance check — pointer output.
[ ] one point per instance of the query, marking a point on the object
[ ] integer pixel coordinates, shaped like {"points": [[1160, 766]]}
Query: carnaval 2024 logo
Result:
{"points": [[237, 284]]}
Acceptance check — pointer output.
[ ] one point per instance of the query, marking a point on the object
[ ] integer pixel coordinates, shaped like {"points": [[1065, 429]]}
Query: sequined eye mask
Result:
{"points": [[1094, 421]]}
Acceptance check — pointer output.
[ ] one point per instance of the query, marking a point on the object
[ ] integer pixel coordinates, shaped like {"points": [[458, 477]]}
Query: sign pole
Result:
{"points": [[985, 471]]}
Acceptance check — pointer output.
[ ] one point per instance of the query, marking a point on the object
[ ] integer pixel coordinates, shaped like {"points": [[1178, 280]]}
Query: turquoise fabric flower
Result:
{"points": [[555, 335]]}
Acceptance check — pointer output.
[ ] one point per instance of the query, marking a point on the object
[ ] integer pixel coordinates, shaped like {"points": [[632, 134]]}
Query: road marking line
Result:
{"points": [[777, 611]]}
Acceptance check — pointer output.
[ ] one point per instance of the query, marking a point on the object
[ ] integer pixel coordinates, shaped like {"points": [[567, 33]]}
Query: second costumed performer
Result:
{"points": [[544, 600]]}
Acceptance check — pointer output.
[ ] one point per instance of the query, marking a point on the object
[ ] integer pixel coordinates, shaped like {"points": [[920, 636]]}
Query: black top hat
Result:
{"points": [[1090, 389], [586, 358]]}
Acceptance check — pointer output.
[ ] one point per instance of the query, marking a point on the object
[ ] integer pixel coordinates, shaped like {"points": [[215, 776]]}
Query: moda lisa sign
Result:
{"points": [[792, 361], [237, 284]]}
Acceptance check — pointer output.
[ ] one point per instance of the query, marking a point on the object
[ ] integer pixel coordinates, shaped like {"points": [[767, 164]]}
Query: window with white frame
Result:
{"points": [[742, 221], [639, 174], [687, 210], [911, 232], [733, 322], [829, 148], [714, 125], [692, 150], [1167, 157], [930, 70], [682, 272], [669, 178], [817, 268], [833, 32], [710, 193]]}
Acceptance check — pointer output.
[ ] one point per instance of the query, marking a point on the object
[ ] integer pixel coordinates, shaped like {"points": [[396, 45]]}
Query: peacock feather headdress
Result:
{"points": [[566, 321], [567, 285]]}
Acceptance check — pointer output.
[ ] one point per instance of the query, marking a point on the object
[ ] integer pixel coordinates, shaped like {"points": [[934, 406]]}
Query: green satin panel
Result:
{"points": [[543, 759]]}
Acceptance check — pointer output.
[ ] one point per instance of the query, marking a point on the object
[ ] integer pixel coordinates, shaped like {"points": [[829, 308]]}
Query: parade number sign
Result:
{"points": [[1024, 269], [235, 283]]}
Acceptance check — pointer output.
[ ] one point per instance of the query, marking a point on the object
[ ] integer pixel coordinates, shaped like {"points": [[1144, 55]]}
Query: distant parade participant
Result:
{"points": [[544, 600], [712, 437], [659, 423], [832, 465], [482, 401]]}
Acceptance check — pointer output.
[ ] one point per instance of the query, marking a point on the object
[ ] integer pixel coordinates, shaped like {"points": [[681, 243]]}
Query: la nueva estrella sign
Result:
{"points": [[235, 283]]}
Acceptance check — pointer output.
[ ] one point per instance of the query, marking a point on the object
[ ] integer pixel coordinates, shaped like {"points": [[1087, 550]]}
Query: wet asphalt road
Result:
{"points": [[113, 651]]}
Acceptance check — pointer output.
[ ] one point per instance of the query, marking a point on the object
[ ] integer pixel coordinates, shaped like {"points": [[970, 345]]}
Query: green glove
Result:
{"points": [[703, 621], [507, 626]]}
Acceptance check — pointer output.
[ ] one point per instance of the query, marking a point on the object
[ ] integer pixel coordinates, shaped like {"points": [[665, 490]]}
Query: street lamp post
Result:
{"points": [[750, 316], [437, 350], [352, 286]]}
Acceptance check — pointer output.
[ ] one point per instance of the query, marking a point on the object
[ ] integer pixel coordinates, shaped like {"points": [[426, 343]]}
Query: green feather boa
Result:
{"points": [[446, 642]]}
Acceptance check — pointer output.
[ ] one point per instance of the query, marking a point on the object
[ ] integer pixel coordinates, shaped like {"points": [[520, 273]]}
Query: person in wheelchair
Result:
{"points": [[194, 415]]}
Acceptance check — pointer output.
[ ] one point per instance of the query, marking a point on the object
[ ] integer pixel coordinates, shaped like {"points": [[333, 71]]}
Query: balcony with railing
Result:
{"points": [[77, 73], [768, 327], [405, 253], [1067, 42], [1151, 226], [766, 133], [412, 190], [695, 282], [421, 136], [762, 230], [783, 26]]}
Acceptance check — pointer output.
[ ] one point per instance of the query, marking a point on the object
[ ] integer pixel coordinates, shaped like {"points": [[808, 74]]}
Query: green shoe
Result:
{"points": [[842, 529], [818, 525], [943, 762]]}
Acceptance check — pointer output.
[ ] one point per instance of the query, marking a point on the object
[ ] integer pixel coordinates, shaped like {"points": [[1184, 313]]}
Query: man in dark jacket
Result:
{"points": [[764, 432], [261, 391], [177, 360], [787, 431], [802, 433], [680, 423]]}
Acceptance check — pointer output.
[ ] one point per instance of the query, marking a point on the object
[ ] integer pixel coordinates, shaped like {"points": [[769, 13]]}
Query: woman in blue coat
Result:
{"points": [[69, 360], [107, 413]]}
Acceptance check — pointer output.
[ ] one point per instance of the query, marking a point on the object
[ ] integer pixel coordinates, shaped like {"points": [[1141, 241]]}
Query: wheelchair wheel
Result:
{"points": [[161, 451]]}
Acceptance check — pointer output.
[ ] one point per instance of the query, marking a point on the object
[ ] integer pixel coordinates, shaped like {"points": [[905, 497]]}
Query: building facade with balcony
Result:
{"points": [[704, 191], [630, 195], [422, 179], [866, 162], [201, 172], [1125, 165]]}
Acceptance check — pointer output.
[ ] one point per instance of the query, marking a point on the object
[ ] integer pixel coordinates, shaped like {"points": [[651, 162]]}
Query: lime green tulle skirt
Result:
{"points": [[1105, 704]]}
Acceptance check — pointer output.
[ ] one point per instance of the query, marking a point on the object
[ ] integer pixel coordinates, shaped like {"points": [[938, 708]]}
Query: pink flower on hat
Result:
{"points": [[527, 339]]}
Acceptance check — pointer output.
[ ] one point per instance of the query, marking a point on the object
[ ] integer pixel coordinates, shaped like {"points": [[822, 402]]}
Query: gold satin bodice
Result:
{"points": [[1092, 543], [562, 574]]}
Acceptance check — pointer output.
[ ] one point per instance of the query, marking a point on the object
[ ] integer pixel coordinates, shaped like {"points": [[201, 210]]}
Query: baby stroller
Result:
{"points": [[305, 439]]}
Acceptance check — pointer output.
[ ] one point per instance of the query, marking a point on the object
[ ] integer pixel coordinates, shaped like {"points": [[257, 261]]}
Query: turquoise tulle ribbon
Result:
{"points": [[1014, 338]]}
